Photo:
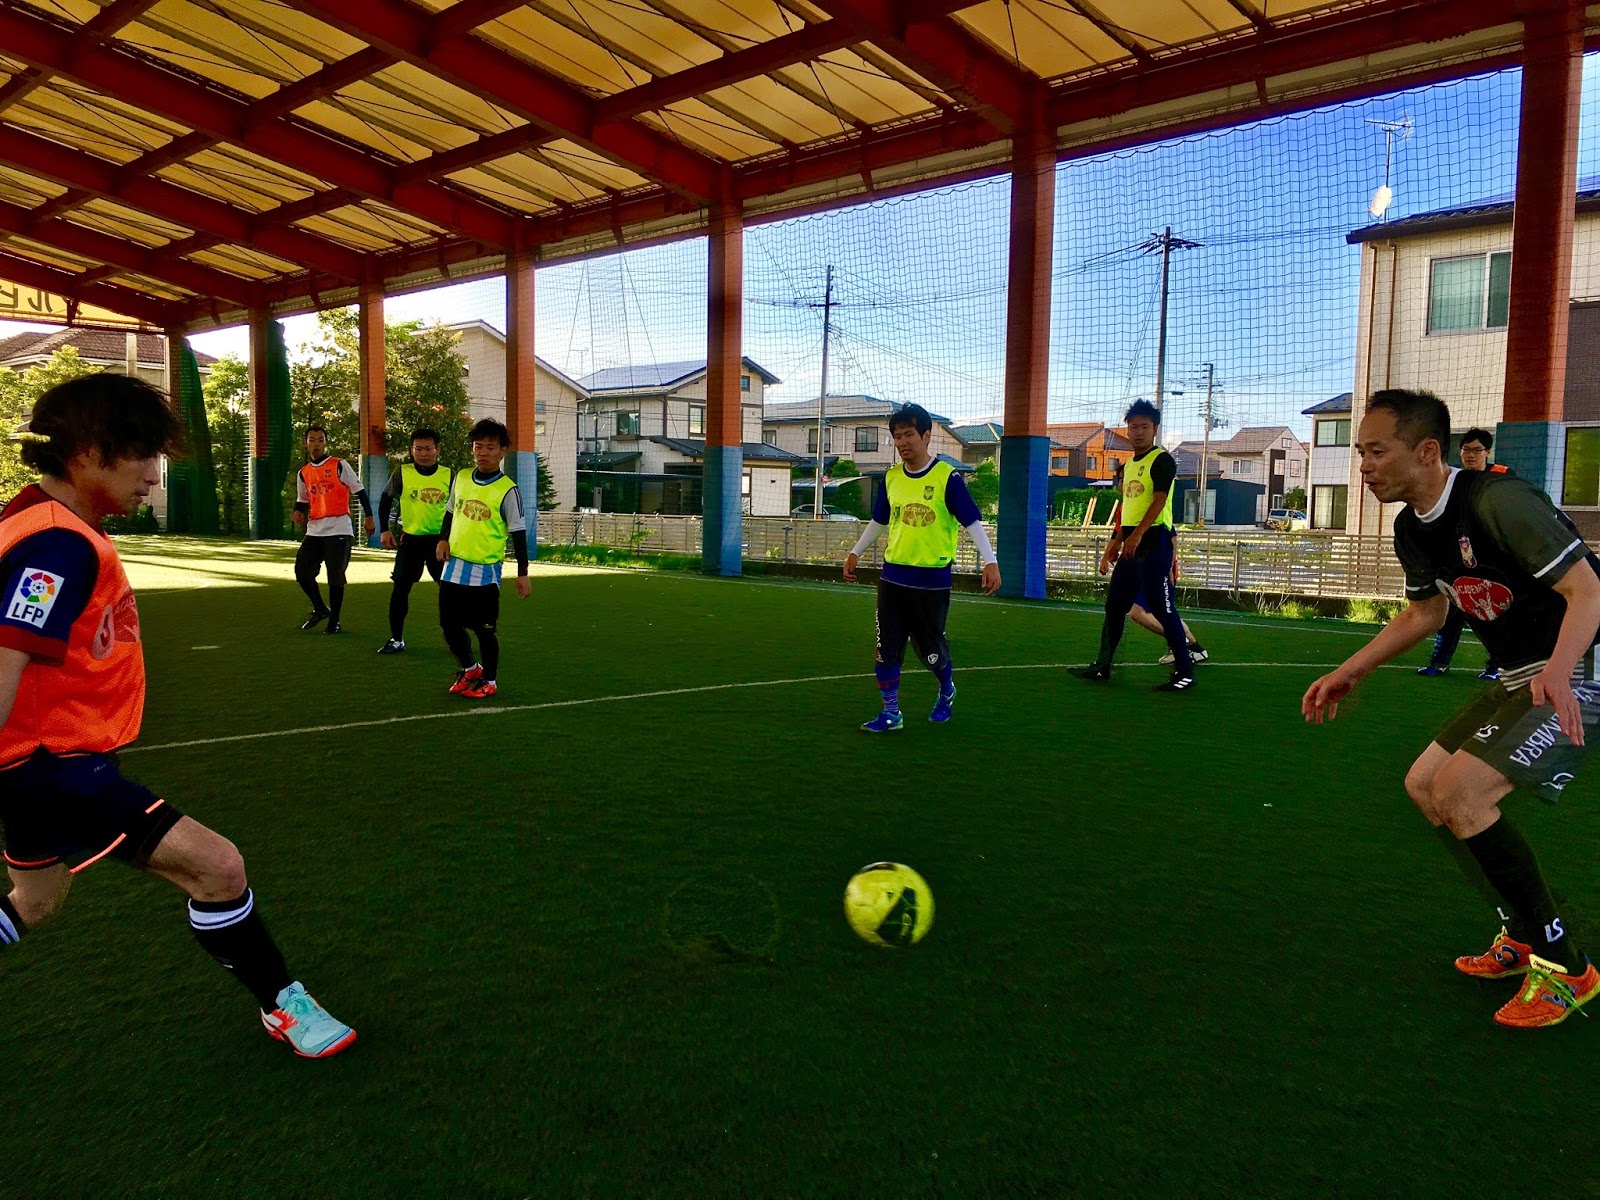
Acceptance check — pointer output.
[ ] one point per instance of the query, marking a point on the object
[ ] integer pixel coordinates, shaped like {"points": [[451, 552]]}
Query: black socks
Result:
{"points": [[1508, 863], [231, 931]]}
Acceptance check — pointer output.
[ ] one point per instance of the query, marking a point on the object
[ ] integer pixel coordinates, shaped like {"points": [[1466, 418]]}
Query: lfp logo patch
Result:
{"points": [[34, 597]]}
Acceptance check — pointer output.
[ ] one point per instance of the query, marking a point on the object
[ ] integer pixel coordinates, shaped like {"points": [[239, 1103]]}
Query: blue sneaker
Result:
{"points": [[884, 722], [308, 1028], [941, 706]]}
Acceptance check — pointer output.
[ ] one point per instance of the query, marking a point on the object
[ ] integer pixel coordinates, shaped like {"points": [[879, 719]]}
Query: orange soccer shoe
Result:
{"points": [[1506, 957], [1549, 996], [480, 691], [466, 678]]}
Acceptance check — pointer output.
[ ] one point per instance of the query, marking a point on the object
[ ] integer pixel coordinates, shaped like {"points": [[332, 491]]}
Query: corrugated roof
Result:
{"points": [[97, 345], [753, 451], [185, 161], [1338, 404], [651, 377], [1495, 210], [838, 408], [985, 433]]}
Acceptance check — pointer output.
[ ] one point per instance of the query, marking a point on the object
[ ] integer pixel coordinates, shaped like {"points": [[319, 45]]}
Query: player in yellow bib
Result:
{"points": [[924, 505], [421, 489], [1141, 548], [484, 510]]}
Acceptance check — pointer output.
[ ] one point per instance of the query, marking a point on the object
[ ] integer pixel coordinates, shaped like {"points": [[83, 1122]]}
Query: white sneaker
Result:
{"points": [[1195, 655], [308, 1027]]}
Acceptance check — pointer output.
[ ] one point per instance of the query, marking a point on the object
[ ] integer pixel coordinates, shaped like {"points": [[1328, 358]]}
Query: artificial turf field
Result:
{"points": [[1185, 945]]}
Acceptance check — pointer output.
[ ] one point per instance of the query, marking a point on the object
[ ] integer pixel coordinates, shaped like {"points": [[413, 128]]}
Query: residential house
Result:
{"points": [[1269, 455], [1188, 455], [1069, 448], [141, 354], [1434, 308], [1105, 452], [649, 421], [1328, 476], [482, 349], [980, 442]]}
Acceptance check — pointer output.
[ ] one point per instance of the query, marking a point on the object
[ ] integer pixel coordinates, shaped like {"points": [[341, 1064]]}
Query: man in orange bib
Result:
{"points": [[72, 695], [322, 504]]}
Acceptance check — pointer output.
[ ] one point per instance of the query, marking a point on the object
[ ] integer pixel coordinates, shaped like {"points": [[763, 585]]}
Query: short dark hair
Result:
{"points": [[490, 428], [120, 416], [1418, 416], [425, 435], [310, 429], [1478, 435], [1142, 408], [911, 414]]}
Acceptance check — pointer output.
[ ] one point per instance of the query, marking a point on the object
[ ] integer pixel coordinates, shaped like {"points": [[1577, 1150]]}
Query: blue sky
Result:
{"points": [[1269, 297]]}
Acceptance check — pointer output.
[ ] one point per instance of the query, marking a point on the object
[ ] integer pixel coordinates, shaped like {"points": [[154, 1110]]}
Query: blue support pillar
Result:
{"points": [[374, 477], [722, 541], [722, 531], [1024, 509], [1535, 450], [523, 466]]}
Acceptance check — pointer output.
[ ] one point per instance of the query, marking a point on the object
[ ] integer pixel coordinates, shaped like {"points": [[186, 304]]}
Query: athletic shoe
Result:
{"points": [[482, 691], [303, 1023], [334, 627], [884, 722], [1490, 674], [1505, 958], [465, 678], [941, 707], [1178, 683], [1094, 672], [317, 617], [392, 646], [1431, 670], [1550, 996], [1197, 653]]}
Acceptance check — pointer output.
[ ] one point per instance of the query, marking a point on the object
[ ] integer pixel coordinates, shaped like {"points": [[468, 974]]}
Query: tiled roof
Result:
{"points": [[1073, 434], [1492, 210], [840, 407], [1338, 404], [753, 451], [641, 377], [99, 345], [986, 433], [1254, 440]]}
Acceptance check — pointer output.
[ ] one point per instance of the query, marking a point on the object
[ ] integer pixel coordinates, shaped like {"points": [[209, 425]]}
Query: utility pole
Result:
{"points": [[822, 398], [1205, 444], [1166, 243]]}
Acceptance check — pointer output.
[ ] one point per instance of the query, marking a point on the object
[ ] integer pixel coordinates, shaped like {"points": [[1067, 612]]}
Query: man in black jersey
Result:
{"points": [[1475, 445], [1495, 547]]}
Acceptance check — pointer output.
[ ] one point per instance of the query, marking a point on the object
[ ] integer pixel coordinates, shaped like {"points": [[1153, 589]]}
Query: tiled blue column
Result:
{"points": [[1534, 450], [523, 466], [1024, 505], [722, 532], [374, 477]]}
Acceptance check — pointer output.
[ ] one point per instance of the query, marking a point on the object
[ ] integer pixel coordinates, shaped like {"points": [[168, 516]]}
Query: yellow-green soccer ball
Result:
{"points": [[888, 904]]}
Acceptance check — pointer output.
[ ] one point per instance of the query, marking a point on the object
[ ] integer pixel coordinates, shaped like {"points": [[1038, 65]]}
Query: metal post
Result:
{"points": [[1161, 332], [1203, 483], [822, 396]]}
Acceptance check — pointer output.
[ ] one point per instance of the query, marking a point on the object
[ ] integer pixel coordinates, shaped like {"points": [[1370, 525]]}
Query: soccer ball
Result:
{"points": [[888, 904]]}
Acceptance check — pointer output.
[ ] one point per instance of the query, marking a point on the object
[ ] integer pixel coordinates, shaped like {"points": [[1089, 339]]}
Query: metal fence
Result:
{"points": [[1276, 564]]}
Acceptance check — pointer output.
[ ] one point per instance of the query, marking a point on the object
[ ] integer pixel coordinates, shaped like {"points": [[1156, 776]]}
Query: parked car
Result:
{"points": [[804, 512], [1287, 519]]}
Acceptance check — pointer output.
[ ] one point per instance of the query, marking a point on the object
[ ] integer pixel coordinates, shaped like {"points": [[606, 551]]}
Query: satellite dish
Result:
{"points": [[1380, 201]]}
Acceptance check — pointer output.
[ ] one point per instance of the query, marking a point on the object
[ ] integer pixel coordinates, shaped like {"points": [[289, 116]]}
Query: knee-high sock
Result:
{"points": [[11, 926], [1473, 873], [399, 606], [335, 600], [1509, 864], [888, 676], [232, 932], [460, 644], [312, 591], [489, 648]]}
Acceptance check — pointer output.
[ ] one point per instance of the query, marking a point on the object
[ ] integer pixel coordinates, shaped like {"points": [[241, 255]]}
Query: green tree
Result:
{"points": [[547, 487], [852, 497], [1295, 498], [227, 393], [17, 396], [984, 484]]}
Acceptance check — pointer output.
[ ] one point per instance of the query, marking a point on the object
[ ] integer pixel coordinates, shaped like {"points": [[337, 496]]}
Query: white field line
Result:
{"points": [[499, 710]]}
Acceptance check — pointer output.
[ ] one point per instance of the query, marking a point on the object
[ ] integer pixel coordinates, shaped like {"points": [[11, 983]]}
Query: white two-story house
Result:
{"points": [[1328, 476], [1269, 455], [648, 420]]}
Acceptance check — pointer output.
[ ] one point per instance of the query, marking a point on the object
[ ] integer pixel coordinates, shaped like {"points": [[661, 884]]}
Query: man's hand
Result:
{"points": [[850, 561], [524, 586], [443, 552], [1322, 698], [1554, 689], [368, 525], [1109, 557], [991, 578], [298, 517], [1176, 574], [387, 540], [1130, 544]]}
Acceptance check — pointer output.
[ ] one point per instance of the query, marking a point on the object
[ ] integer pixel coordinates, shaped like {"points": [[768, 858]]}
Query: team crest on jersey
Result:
{"points": [[431, 495], [35, 595], [918, 516], [475, 510], [1132, 488], [1484, 599], [927, 492], [1468, 559]]}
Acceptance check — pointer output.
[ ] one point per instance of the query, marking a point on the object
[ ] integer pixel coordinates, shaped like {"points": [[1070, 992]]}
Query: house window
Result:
{"points": [[1470, 291], [1094, 465], [1328, 505], [538, 406], [628, 422], [1580, 483], [1294, 469], [1241, 467], [744, 483], [744, 383], [866, 437], [1333, 433], [538, 429], [769, 435], [811, 441], [697, 420]]}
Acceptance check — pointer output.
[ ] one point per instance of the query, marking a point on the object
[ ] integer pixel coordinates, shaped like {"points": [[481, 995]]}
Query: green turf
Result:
{"points": [[1186, 945]]}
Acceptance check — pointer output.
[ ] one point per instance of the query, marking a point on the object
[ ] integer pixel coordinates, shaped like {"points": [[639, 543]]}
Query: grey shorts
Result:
{"points": [[1524, 743]]}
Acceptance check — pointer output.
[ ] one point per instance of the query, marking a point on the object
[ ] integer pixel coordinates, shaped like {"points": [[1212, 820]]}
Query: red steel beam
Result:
{"points": [[127, 255], [63, 283], [48, 45], [402, 29], [74, 169], [946, 55], [97, 29]]}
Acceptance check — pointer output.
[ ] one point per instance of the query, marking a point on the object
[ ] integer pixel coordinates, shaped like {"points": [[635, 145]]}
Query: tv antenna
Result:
{"points": [[1401, 129]]}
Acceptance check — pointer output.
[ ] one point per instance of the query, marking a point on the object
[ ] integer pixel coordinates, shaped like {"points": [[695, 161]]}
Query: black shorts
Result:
{"points": [[317, 552], [918, 614], [1523, 743], [417, 552], [463, 607], [76, 809]]}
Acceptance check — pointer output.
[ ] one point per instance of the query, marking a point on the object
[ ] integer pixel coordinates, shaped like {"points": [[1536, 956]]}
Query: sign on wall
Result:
{"points": [[19, 303]]}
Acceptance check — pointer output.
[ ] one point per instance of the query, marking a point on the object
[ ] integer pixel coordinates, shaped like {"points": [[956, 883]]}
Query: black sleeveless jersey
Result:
{"points": [[1495, 545]]}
